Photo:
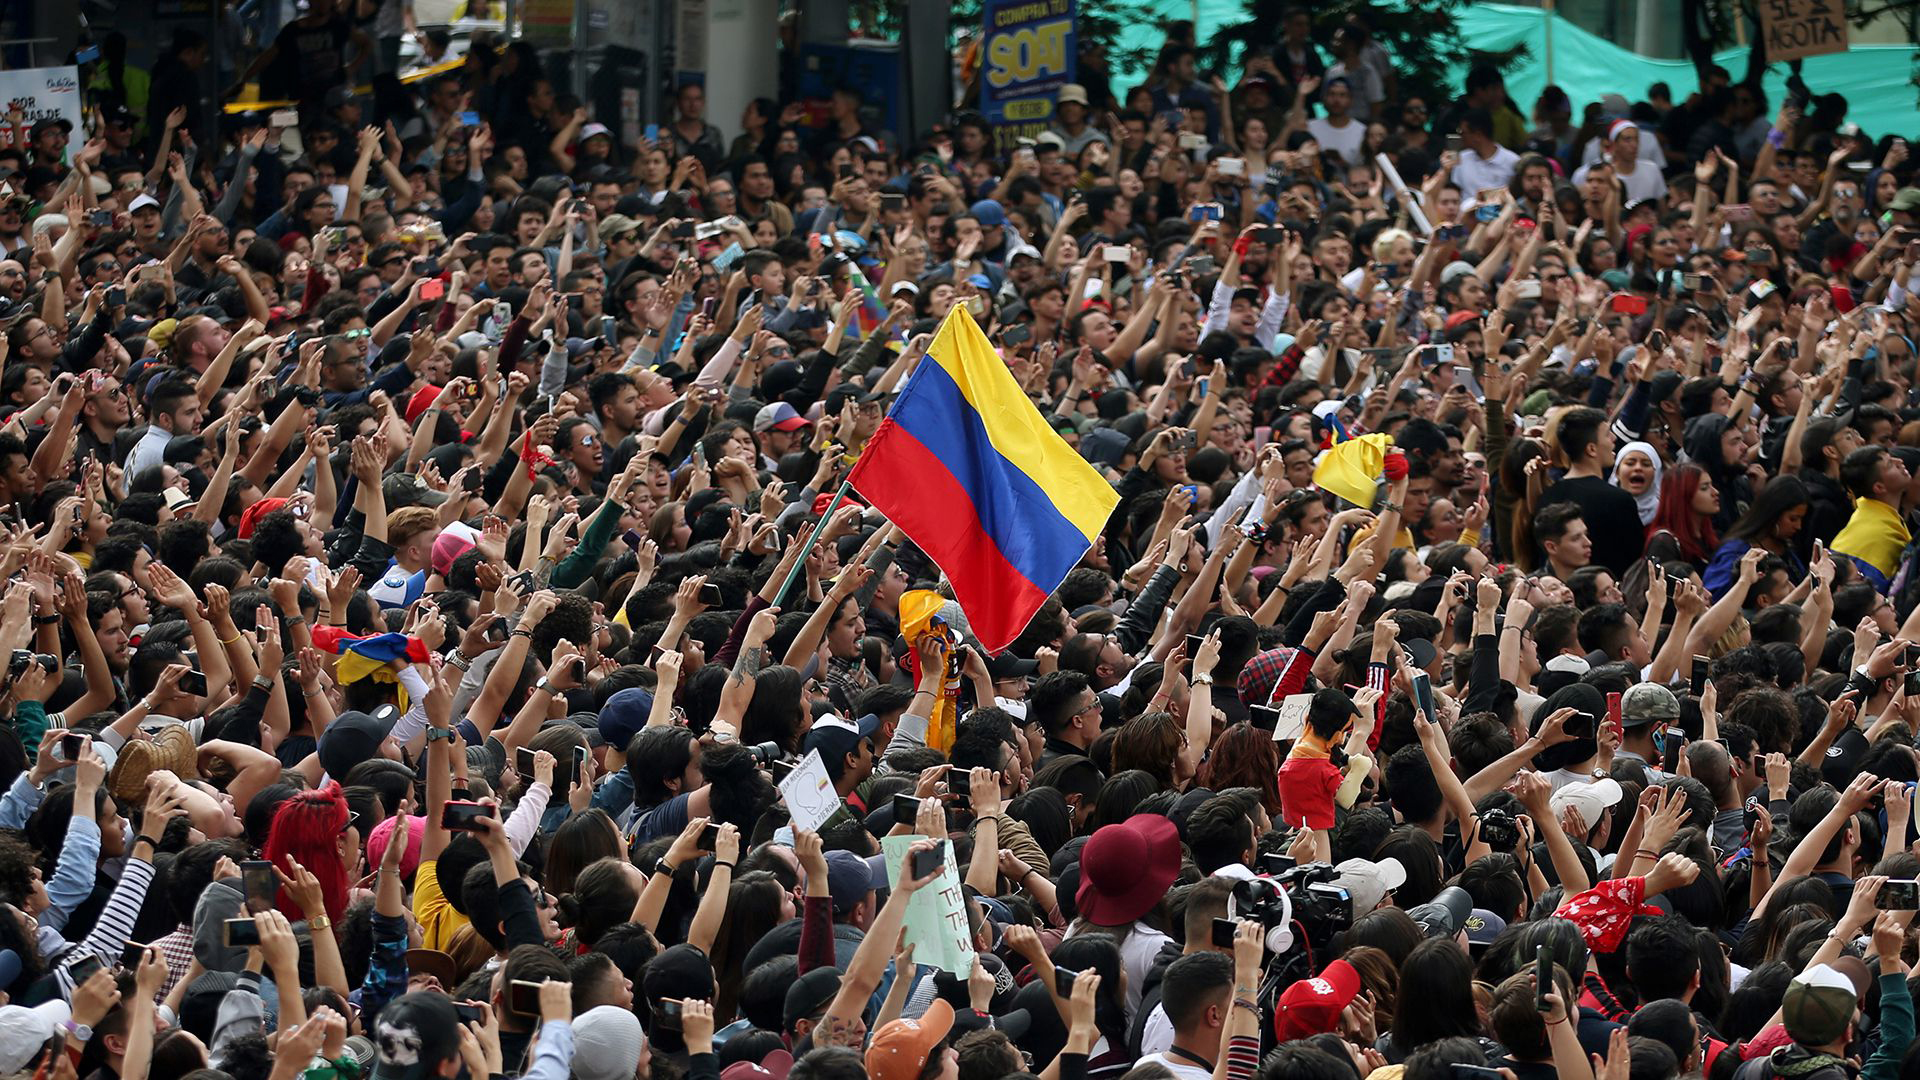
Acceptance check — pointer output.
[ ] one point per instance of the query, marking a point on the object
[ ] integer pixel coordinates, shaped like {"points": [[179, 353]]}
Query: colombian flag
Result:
{"points": [[368, 657], [974, 475]]}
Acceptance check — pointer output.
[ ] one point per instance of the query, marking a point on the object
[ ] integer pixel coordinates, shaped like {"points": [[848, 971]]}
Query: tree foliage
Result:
{"points": [[1422, 36]]}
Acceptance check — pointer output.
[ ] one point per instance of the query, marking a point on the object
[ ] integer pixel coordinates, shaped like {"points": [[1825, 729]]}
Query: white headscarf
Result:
{"points": [[1649, 500]]}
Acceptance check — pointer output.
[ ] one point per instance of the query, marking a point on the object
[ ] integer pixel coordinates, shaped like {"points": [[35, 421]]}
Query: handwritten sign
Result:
{"points": [[936, 924], [1796, 28], [1293, 717], [809, 793]]}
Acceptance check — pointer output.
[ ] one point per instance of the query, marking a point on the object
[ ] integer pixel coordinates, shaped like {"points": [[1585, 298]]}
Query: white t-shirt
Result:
{"points": [[1645, 182], [1345, 141], [1475, 174], [1181, 1068]]}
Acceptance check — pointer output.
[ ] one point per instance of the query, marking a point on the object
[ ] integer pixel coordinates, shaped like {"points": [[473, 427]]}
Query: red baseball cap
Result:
{"points": [[1312, 1006]]}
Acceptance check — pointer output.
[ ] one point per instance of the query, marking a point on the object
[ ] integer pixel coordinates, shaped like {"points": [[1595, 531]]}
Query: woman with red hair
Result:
{"points": [[1688, 502], [312, 829]]}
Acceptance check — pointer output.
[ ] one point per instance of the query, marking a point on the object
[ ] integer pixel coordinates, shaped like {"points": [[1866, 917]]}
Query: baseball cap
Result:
{"points": [[849, 879], [1312, 1006], [778, 416], [1071, 92], [24, 1032], [835, 736], [1819, 1005], [1368, 882], [1647, 703], [142, 201], [591, 130], [901, 1048], [415, 1033], [1906, 201], [624, 714], [1482, 926], [408, 489], [1009, 666], [809, 994], [617, 225], [1590, 798], [354, 737], [1445, 914], [775, 1066]]}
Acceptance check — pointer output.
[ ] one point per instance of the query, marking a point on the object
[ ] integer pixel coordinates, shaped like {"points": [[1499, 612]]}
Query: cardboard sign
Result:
{"points": [[1796, 28]]}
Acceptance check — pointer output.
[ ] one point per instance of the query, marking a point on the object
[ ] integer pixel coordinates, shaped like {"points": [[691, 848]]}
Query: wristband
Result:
{"points": [[155, 844], [459, 661], [45, 620], [521, 631]]}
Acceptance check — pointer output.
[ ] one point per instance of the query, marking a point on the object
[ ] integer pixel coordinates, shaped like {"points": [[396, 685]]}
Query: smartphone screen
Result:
{"points": [[1223, 931], [1698, 677], [523, 762], [1898, 895], [258, 882], [1423, 694], [906, 809], [84, 968], [132, 955], [460, 816], [242, 932], [1542, 976]]}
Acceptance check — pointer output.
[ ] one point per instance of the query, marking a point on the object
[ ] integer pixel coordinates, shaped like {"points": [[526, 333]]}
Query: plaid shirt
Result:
{"points": [[177, 950]]}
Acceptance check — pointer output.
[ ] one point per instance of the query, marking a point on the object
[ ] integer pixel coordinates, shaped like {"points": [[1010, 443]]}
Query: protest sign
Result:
{"points": [[28, 95], [809, 793], [936, 924], [1796, 28]]}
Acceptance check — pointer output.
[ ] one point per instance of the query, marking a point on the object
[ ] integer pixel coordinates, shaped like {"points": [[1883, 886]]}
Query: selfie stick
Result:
{"points": [[1399, 185]]}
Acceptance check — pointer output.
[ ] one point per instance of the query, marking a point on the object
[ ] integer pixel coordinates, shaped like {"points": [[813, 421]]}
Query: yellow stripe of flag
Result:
{"points": [[1016, 428]]}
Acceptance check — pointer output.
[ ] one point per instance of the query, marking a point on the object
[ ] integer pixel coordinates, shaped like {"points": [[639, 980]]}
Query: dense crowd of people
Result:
{"points": [[429, 647]]}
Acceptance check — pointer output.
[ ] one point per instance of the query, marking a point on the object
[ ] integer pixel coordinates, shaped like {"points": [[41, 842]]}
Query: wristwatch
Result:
{"points": [[545, 686], [662, 866], [439, 733], [79, 1031]]}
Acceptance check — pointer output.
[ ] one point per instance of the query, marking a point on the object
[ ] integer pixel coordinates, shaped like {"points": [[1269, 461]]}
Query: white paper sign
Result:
{"points": [[1293, 717], [809, 793], [39, 93]]}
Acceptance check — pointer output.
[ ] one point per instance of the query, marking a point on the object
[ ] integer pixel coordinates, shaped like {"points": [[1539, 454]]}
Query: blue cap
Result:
{"points": [[989, 213], [980, 281], [624, 714], [849, 880]]}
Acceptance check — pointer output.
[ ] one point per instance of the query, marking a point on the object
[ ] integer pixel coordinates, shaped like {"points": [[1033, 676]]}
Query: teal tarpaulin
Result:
{"points": [[1876, 80]]}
